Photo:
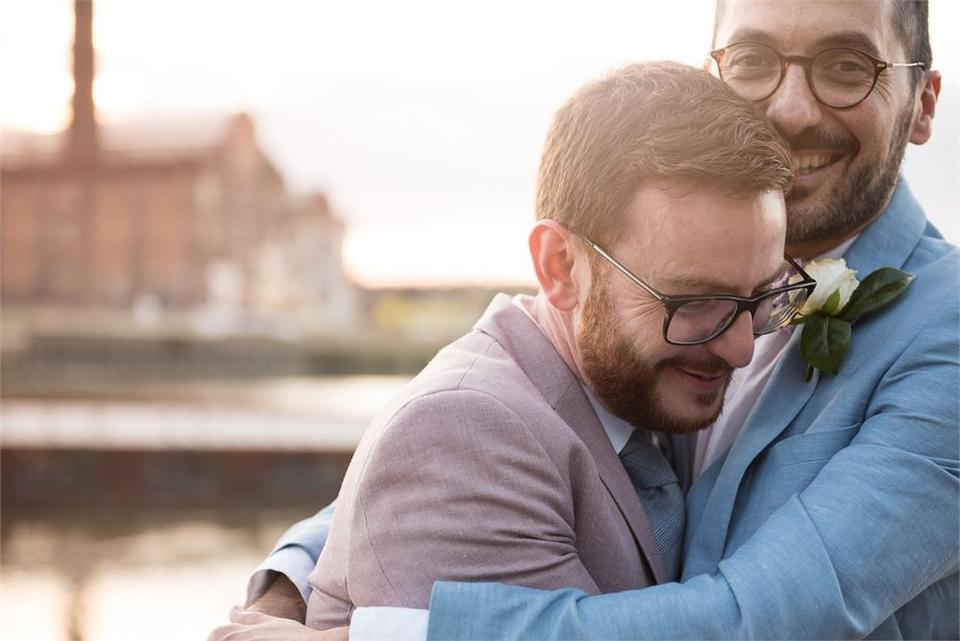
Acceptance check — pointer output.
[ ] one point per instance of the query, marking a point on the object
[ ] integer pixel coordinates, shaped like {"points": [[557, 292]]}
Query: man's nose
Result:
{"points": [[792, 107], [735, 344]]}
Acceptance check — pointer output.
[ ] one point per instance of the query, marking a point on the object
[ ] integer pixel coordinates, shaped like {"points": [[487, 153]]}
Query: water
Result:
{"points": [[165, 577], [83, 570], [316, 414]]}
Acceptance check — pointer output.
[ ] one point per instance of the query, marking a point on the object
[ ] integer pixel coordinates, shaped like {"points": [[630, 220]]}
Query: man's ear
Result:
{"points": [[554, 256], [923, 121]]}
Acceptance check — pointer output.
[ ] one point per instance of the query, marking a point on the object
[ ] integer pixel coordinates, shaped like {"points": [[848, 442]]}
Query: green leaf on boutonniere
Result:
{"points": [[824, 341], [831, 304], [878, 289]]}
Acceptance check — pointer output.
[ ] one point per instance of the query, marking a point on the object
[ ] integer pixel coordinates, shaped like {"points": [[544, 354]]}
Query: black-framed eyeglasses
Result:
{"points": [[692, 320], [839, 78]]}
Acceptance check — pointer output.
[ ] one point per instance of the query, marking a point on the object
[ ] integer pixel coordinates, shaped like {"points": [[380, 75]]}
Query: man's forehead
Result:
{"points": [[807, 26], [693, 240]]}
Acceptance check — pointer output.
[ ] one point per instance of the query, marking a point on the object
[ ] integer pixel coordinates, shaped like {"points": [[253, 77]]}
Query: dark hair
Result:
{"points": [[652, 121], [911, 21]]}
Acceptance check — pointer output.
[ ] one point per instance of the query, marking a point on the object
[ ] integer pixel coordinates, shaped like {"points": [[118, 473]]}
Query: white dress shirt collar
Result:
{"points": [[617, 429]]}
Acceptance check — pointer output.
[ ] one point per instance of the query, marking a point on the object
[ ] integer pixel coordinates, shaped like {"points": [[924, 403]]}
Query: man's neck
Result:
{"points": [[558, 327]]}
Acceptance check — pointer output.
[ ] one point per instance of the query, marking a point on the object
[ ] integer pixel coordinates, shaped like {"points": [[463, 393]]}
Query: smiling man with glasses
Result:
{"points": [[821, 508]]}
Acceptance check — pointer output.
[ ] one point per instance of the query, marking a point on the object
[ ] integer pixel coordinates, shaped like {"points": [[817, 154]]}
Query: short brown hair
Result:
{"points": [[650, 121]]}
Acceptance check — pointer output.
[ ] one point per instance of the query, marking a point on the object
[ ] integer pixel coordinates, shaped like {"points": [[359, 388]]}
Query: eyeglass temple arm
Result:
{"points": [[798, 267], [623, 270]]}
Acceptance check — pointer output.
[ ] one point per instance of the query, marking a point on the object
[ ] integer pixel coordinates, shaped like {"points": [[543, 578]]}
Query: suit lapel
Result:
{"points": [[574, 408], [782, 399], [542, 364], [888, 241]]}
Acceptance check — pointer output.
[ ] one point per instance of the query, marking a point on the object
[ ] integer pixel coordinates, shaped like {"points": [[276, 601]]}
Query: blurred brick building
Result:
{"points": [[178, 213]]}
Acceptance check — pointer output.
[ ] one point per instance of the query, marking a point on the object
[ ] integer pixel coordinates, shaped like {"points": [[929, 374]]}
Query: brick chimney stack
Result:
{"points": [[82, 143]]}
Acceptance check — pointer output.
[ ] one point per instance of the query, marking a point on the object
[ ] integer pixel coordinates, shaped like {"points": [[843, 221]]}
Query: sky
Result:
{"points": [[422, 120]]}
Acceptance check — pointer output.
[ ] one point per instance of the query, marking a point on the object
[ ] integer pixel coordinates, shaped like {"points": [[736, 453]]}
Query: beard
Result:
{"points": [[626, 382], [853, 202]]}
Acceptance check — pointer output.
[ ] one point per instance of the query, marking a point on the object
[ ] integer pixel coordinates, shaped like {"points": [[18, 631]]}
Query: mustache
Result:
{"points": [[819, 139]]}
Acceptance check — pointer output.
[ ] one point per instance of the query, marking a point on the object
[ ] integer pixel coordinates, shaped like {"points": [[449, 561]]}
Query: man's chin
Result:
{"points": [[687, 425], [707, 409]]}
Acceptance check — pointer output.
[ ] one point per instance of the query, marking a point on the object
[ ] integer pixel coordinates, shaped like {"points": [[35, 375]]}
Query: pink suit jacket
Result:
{"points": [[491, 465]]}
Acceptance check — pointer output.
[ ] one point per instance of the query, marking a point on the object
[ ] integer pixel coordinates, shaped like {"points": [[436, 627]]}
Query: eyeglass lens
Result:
{"points": [[699, 320], [838, 77]]}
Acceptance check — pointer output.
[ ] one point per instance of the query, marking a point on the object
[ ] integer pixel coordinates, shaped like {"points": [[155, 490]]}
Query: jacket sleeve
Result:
{"points": [[878, 525], [294, 555], [459, 488]]}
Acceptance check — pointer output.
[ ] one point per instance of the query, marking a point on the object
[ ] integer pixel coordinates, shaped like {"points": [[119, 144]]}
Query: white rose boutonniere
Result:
{"points": [[838, 301], [835, 283]]}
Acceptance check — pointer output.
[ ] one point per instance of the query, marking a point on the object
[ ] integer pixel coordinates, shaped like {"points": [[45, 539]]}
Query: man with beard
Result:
{"points": [[499, 461], [824, 507]]}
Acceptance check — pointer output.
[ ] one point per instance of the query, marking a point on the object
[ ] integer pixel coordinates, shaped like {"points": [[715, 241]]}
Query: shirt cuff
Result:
{"points": [[397, 624], [292, 561]]}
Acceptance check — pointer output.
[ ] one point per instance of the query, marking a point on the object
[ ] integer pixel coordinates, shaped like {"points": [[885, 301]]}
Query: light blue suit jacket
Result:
{"points": [[835, 513]]}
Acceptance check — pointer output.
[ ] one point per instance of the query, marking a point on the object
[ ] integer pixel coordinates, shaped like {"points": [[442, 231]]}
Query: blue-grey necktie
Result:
{"points": [[660, 495]]}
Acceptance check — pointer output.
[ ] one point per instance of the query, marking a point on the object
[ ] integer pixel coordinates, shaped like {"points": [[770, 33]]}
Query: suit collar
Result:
{"points": [[892, 237], [541, 363]]}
